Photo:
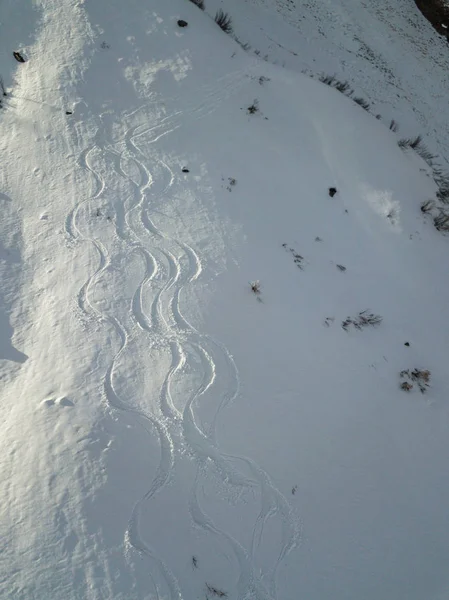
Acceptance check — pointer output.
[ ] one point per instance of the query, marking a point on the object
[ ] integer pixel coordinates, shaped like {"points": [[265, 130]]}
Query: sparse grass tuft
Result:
{"points": [[363, 319], [216, 592], [243, 45], [441, 221], [224, 21], [427, 206], [420, 377], [254, 108], [394, 126], [405, 143], [362, 102], [255, 287], [341, 86], [442, 181], [199, 3]]}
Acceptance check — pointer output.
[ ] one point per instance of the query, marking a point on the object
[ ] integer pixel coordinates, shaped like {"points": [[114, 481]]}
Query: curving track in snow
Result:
{"points": [[171, 264]]}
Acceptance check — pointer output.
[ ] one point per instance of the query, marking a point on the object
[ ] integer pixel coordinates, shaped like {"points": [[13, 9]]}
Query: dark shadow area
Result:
{"points": [[437, 13], [7, 350], [10, 272]]}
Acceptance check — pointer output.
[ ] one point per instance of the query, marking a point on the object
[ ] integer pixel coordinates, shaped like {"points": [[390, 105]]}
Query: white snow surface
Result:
{"points": [[166, 433]]}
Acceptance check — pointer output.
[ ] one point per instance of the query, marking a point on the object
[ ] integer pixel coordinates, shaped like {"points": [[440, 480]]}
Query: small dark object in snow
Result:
{"points": [[341, 267], [18, 57], [407, 344], [255, 287], [185, 170], [251, 110], [68, 112], [332, 191], [182, 23]]}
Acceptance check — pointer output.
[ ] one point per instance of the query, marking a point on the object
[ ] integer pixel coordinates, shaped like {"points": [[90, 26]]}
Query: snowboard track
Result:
{"points": [[172, 265]]}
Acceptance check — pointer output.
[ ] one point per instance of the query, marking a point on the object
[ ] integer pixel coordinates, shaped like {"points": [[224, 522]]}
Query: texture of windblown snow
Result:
{"points": [[153, 409]]}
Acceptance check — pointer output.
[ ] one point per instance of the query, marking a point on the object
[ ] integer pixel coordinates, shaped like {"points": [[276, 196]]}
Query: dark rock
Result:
{"points": [[185, 170], [407, 344], [68, 112], [18, 57], [182, 23], [332, 191]]}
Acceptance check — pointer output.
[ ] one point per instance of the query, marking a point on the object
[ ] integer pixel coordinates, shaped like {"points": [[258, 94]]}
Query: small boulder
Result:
{"points": [[332, 191], [182, 23], [185, 170]]}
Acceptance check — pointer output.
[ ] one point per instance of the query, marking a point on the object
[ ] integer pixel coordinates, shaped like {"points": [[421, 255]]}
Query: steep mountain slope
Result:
{"points": [[166, 430]]}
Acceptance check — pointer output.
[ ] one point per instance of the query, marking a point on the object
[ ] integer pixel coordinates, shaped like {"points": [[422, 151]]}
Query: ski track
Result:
{"points": [[165, 321]]}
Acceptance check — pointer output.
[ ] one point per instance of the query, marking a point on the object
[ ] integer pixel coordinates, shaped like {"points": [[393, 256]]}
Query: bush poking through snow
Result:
{"points": [[420, 377], [199, 3], [255, 287], [243, 45], [224, 21], [215, 591], [341, 86], [427, 206], [405, 143], [363, 319], [254, 108], [341, 268], [393, 126], [442, 181], [362, 102], [441, 222], [332, 191]]}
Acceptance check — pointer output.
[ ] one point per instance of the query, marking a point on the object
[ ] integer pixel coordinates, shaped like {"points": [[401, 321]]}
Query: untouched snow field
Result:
{"points": [[166, 433]]}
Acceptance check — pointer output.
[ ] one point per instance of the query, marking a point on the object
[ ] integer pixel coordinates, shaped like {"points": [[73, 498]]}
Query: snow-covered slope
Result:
{"points": [[165, 431]]}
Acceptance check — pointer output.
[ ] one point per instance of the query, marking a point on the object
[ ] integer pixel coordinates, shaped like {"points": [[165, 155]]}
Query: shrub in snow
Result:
{"points": [[441, 222], [216, 592], [199, 3], [427, 206], [363, 103], [253, 108], [393, 126], [442, 181], [332, 191], [255, 287], [420, 377], [405, 143], [224, 21], [341, 86], [363, 319]]}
